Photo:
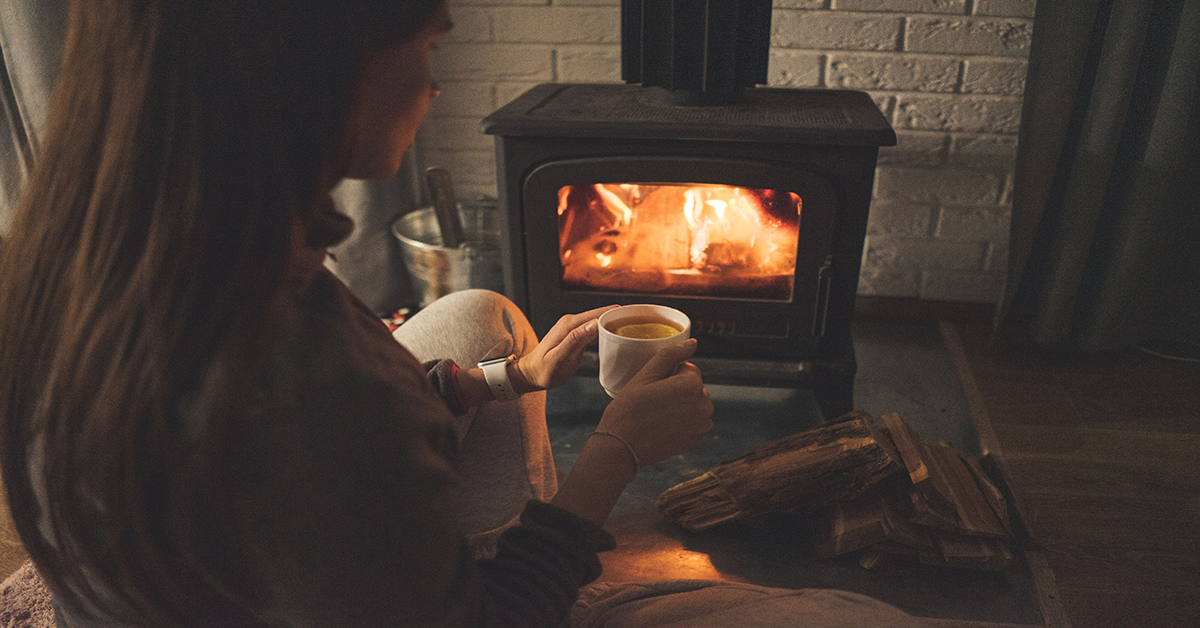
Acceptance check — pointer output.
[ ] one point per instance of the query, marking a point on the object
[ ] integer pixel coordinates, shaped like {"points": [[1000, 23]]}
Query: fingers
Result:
{"points": [[571, 322], [667, 361], [558, 355], [573, 344], [579, 339], [595, 313], [661, 416], [690, 385]]}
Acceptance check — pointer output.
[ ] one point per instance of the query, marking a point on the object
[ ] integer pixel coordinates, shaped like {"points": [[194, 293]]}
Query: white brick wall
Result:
{"points": [[948, 74]]}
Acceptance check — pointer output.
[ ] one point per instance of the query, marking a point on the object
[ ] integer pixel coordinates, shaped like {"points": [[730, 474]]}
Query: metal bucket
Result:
{"points": [[436, 270]]}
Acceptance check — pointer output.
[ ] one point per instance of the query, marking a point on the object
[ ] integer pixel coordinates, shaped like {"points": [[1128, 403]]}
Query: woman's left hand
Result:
{"points": [[557, 356]]}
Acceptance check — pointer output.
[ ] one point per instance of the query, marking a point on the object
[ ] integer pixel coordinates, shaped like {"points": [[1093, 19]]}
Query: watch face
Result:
{"points": [[493, 361]]}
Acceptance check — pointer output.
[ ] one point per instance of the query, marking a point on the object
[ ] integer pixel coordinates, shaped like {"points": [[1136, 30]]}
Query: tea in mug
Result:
{"points": [[644, 327]]}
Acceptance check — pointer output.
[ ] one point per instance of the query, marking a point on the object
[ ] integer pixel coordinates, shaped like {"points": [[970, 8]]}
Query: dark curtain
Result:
{"points": [[1105, 243], [30, 37]]}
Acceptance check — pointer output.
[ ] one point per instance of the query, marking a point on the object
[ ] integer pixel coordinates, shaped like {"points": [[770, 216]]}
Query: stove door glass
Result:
{"points": [[679, 239]]}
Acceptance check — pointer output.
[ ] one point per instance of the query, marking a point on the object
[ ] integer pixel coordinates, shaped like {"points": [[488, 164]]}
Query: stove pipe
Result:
{"points": [[695, 52]]}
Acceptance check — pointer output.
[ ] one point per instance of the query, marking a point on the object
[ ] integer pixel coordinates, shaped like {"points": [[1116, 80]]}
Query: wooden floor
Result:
{"points": [[1104, 455]]}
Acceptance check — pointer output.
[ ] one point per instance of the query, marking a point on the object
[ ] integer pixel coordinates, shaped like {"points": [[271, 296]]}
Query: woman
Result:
{"points": [[201, 426]]}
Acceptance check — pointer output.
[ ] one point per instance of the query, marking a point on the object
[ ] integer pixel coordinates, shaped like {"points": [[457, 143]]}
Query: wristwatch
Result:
{"points": [[495, 371]]}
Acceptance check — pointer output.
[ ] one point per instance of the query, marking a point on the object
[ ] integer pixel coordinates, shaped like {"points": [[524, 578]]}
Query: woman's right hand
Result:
{"points": [[664, 409]]}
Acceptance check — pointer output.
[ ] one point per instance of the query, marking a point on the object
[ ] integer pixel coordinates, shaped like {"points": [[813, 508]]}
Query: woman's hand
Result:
{"points": [[556, 358], [664, 409]]}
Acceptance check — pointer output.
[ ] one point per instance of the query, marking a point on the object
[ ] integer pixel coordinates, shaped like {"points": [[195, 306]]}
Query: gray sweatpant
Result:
{"points": [[505, 457]]}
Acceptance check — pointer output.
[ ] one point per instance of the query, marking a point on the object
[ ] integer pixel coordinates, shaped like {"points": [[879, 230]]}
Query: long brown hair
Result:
{"points": [[149, 239]]}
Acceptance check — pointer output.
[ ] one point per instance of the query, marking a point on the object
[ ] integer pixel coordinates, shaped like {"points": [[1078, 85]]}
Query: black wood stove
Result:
{"points": [[744, 207]]}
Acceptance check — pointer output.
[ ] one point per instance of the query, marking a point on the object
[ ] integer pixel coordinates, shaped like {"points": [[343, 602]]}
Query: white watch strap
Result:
{"points": [[496, 373]]}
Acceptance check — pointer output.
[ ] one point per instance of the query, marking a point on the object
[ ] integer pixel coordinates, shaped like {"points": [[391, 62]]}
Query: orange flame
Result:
{"points": [[679, 239]]}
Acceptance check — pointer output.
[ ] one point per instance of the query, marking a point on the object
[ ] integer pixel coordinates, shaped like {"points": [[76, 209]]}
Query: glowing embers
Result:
{"points": [[679, 239]]}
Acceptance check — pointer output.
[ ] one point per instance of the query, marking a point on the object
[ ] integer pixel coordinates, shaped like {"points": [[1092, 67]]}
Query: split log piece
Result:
{"points": [[971, 552], [935, 494], [871, 559], [975, 514], [897, 549], [851, 526], [994, 497]]}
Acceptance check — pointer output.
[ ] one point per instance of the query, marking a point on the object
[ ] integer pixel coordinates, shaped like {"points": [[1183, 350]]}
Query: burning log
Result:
{"points": [[685, 240], [883, 493]]}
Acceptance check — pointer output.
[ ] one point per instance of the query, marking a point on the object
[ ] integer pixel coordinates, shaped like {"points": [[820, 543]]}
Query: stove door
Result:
{"points": [[743, 247]]}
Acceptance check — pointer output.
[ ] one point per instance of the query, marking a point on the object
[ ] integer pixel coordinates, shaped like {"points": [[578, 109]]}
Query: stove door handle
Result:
{"points": [[821, 305]]}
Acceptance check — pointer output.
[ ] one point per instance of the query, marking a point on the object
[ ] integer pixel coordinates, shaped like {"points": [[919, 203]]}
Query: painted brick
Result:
{"points": [[483, 62], [900, 219], [455, 133], [879, 278], [994, 76], [470, 25], [995, 152], [945, 186], [965, 286], [973, 223], [588, 64], [915, 148], [1006, 191], [800, 4], [508, 92], [907, 253], [1005, 8], [462, 99], [997, 257], [909, 6], [494, 3], [559, 25], [476, 168], [886, 103], [976, 114], [882, 71], [795, 68], [835, 30], [1000, 37], [884, 282]]}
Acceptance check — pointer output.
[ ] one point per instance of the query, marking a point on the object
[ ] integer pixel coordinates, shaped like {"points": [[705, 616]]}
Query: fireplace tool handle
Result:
{"points": [[445, 206]]}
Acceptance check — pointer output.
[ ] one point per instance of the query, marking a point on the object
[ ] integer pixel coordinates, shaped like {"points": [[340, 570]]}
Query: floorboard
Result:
{"points": [[1102, 453]]}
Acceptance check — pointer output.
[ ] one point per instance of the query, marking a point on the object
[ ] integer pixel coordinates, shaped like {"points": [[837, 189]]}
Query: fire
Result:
{"points": [[712, 240]]}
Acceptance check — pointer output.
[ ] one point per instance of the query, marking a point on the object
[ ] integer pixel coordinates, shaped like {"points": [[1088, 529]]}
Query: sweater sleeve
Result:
{"points": [[536, 574], [442, 376]]}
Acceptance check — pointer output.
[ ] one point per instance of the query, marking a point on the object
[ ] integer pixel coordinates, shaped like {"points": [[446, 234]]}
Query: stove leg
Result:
{"points": [[835, 395]]}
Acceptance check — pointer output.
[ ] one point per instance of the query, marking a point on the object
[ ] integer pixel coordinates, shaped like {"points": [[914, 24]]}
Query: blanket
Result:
{"points": [[709, 604], [25, 600]]}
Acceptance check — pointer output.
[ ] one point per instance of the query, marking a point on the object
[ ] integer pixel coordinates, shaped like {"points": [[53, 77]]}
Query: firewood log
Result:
{"points": [[975, 514], [837, 461]]}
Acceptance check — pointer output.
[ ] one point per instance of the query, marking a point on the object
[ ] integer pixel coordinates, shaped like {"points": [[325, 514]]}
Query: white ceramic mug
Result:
{"points": [[621, 357]]}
